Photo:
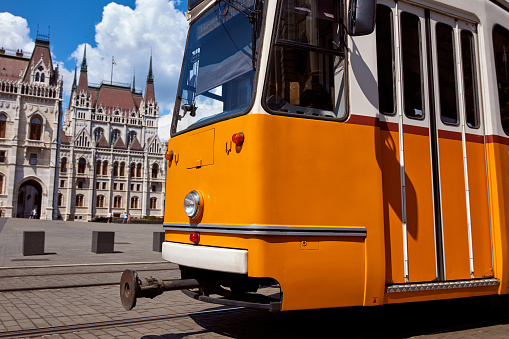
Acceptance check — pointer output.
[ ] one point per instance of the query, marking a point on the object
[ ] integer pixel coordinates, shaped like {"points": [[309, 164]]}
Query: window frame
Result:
{"points": [[275, 41]]}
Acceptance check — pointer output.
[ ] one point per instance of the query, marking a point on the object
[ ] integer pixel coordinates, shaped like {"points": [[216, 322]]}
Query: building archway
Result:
{"points": [[29, 197]]}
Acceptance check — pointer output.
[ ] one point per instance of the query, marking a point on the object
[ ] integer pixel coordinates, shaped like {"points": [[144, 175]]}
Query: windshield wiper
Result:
{"points": [[253, 16]]}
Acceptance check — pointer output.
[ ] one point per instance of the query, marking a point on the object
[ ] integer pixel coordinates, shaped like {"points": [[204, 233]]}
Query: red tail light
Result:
{"points": [[238, 139], [195, 238]]}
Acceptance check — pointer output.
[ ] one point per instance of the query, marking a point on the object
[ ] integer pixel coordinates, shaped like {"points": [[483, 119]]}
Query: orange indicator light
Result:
{"points": [[169, 155]]}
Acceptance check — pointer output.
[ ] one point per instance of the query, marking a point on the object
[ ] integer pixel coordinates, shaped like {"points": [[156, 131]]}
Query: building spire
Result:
{"points": [[150, 77], [84, 62], [133, 89], [149, 87], [74, 85]]}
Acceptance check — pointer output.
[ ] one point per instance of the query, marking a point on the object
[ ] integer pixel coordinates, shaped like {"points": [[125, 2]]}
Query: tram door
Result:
{"points": [[443, 232]]}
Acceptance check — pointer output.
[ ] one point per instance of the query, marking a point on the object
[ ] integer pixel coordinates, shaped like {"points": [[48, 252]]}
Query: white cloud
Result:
{"points": [[15, 33], [131, 35]]}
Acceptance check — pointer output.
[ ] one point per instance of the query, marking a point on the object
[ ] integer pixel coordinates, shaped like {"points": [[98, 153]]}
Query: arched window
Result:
{"points": [[134, 202], [82, 164], [97, 133], [3, 125], [60, 199], [105, 168], [35, 128], [138, 170], [42, 77], [115, 169], [114, 135], [132, 172], [79, 200], [155, 170], [1, 184], [63, 165], [153, 203], [122, 169], [100, 201], [98, 167], [117, 202], [131, 137], [37, 76]]}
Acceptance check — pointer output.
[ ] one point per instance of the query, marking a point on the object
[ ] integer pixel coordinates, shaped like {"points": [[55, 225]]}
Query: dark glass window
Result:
{"points": [[446, 74], [82, 164], [155, 170], [122, 169], [97, 133], [33, 159], [63, 165], [469, 79], [79, 200], [306, 70], [385, 59], [3, 125], [115, 169], [105, 168], [138, 170], [35, 128], [2, 156], [501, 51], [412, 75]]}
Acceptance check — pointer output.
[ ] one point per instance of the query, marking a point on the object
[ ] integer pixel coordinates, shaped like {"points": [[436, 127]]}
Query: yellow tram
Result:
{"points": [[346, 153]]}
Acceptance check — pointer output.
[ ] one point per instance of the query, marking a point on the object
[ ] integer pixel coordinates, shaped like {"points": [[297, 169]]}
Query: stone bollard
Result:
{"points": [[33, 243], [158, 241], [103, 242]]}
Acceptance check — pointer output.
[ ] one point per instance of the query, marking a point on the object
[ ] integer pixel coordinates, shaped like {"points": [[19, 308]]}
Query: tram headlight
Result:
{"points": [[193, 204]]}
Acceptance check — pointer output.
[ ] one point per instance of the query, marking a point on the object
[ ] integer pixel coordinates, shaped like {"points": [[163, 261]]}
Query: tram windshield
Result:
{"points": [[218, 69]]}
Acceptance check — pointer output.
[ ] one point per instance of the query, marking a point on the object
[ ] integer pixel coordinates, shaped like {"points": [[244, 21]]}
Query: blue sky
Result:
{"points": [[127, 30]]}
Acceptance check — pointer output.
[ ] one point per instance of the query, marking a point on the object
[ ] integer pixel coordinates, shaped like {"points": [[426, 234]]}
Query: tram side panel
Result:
{"points": [[290, 172]]}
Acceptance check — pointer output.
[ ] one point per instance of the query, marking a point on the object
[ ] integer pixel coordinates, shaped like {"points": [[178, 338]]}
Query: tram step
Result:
{"points": [[441, 285]]}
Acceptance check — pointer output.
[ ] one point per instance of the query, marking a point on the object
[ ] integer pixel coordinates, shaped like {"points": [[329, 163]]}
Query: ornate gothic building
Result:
{"points": [[30, 115], [111, 159]]}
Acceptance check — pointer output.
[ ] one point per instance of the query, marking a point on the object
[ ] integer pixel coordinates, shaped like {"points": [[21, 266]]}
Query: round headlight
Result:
{"points": [[193, 204]]}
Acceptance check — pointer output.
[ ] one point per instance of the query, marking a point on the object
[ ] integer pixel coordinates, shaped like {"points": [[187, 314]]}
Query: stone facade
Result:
{"points": [[111, 158], [30, 115]]}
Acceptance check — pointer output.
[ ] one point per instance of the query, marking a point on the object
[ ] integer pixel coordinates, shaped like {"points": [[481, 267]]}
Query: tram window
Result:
{"points": [[218, 69], [310, 22], [306, 71], [501, 51], [446, 74], [469, 79], [385, 59], [412, 75]]}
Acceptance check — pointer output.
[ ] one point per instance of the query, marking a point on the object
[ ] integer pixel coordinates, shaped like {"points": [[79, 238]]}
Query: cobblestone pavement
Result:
{"points": [[69, 261]]}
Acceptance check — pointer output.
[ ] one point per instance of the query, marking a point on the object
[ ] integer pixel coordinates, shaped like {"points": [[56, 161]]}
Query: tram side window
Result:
{"points": [[501, 52], [446, 74], [412, 74], [385, 59], [306, 70], [469, 79]]}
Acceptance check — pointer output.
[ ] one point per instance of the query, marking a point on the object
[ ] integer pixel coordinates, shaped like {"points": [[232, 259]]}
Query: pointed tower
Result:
{"points": [[74, 86], [83, 83], [149, 89], [133, 89]]}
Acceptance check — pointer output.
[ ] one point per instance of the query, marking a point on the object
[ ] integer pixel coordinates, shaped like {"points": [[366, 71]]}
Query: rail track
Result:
{"points": [[106, 324], [47, 273]]}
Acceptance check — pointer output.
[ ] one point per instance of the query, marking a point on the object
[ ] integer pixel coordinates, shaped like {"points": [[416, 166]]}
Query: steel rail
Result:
{"points": [[77, 273], [112, 323], [91, 264], [39, 288]]}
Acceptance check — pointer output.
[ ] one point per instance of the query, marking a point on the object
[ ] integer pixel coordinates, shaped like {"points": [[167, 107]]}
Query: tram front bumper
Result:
{"points": [[206, 257]]}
